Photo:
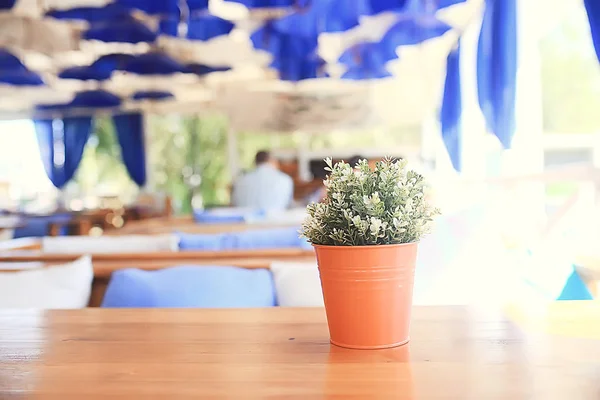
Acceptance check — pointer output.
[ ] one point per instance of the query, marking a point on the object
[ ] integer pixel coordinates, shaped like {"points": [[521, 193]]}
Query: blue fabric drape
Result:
{"points": [[497, 68], [593, 12], [450, 116], [45, 139], [61, 146], [130, 132]]}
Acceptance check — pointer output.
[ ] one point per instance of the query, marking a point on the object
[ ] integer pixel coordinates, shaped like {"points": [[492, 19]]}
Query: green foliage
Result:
{"points": [[570, 77], [101, 170], [369, 207], [189, 160]]}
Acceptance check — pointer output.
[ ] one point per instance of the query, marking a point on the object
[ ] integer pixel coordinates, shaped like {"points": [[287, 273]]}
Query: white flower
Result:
{"points": [[376, 225]]}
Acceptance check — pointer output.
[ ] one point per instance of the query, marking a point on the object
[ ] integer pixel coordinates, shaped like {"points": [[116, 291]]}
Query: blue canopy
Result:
{"points": [[497, 68], [87, 99], [450, 115], [593, 11], [152, 95], [13, 71]]}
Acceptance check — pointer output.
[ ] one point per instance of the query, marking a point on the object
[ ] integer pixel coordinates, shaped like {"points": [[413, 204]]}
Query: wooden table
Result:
{"points": [[455, 353]]}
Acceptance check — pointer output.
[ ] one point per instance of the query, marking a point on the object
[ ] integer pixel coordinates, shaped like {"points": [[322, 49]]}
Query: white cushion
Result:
{"points": [[60, 286], [109, 244], [297, 284]]}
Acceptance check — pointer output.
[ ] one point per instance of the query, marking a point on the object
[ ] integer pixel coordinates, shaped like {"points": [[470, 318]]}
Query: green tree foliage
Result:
{"points": [[570, 77], [189, 161], [101, 171]]}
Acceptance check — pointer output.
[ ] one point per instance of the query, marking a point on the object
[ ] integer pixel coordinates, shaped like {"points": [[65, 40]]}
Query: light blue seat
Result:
{"points": [[554, 277], [279, 238], [226, 215], [191, 286]]}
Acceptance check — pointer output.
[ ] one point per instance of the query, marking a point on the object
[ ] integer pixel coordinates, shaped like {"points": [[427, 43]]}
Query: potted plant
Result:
{"points": [[365, 234]]}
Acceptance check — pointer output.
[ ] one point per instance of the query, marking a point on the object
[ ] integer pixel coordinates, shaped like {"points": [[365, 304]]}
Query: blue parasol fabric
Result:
{"points": [[450, 115], [415, 29], [152, 95], [92, 14], [7, 4], [126, 30], [85, 73], [87, 99], [272, 3], [99, 70], [20, 78], [206, 27], [197, 5], [365, 61], [152, 7], [593, 11], [497, 68], [201, 69], [130, 133], [9, 61], [154, 64], [323, 16]]}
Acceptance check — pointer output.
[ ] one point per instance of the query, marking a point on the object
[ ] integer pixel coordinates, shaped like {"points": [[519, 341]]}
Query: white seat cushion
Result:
{"points": [[109, 244], [53, 287], [297, 284]]}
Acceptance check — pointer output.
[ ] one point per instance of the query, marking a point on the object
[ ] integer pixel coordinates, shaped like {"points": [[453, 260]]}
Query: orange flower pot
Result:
{"points": [[368, 293]]}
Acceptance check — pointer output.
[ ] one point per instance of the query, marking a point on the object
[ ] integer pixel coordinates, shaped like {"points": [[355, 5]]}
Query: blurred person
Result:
{"points": [[265, 187]]}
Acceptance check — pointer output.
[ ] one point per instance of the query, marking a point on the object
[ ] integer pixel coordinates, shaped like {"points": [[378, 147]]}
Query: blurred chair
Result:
{"points": [[191, 286]]}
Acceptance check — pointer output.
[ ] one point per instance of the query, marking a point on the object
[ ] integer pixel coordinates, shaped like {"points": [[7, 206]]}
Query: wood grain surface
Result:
{"points": [[455, 353]]}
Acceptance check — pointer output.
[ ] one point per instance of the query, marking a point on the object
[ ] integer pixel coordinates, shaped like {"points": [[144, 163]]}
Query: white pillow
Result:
{"points": [[297, 284], [110, 244], [61, 286]]}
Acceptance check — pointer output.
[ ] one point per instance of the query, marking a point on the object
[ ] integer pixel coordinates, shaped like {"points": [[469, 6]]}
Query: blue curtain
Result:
{"points": [[45, 139], [497, 68], [61, 144], [130, 132], [450, 116], [593, 11]]}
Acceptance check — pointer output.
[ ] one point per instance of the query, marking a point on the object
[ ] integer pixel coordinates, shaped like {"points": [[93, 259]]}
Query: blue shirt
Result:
{"points": [[265, 188]]}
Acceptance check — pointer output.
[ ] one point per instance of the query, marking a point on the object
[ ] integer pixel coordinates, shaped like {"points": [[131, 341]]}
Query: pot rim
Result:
{"points": [[368, 247]]}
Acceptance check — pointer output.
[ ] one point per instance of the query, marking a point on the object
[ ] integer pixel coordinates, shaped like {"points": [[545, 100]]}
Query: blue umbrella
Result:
{"points": [[7, 4], [85, 73], [324, 16], [20, 78], [283, 45], [358, 73], [87, 99], [152, 95], [365, 61], [9, 61], [593, 12], [201, 69], [206, 27], [413, 29], [379, 6], [99, 70], [368, 54], [125, 30], [152, 7], [273, 3], [497, 68], [92, 14], [450, 115], [197, 5], [154, 64]]}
